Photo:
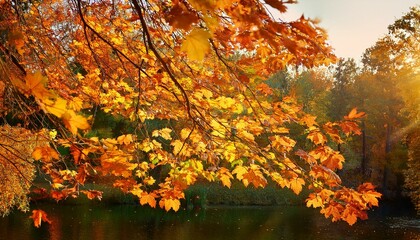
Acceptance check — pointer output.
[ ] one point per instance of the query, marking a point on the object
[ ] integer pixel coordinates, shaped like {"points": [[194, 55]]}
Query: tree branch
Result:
{"points": [[160, 59]]}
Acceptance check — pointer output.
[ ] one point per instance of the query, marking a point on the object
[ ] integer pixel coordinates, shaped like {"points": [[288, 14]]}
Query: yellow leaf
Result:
{"points": [[225, 176], [136, 191], [58, 108], [75, 104], [206, 93], [185, 133], [296, 185], [57, 185], [196, 44], [74, 122], [239, 171], [314, 201], [190, 178], [279, 179], [149, 181], [198, 165], [241, 125], [165, 133], [225, 181], [170, 203], [246, 135], [180, 148], [226, 102], [238, 109], [125, 139]]}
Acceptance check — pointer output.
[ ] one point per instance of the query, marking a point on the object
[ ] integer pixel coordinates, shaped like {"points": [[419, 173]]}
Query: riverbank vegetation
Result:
{"points": [[154, 97]]}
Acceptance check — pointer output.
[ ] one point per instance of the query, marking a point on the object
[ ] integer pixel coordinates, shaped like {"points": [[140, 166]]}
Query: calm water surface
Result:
{"points": [[135, 222]]}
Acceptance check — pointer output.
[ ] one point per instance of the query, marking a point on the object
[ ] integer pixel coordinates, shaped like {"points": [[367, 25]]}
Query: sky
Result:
{"points": [[352, 25]]}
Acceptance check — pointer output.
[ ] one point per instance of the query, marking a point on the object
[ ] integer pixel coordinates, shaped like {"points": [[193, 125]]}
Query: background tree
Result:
{"points": [[312, 89], [377, 87], [345, 73], [385, 89], [406, 48]]}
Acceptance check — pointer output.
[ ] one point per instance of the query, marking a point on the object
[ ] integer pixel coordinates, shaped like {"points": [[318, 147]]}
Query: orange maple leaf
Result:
{"points": [[317, 137], [148, 198], [92, 194], [264, 89], [333, 209], [81, 175], [58, 195], [351, 219], [35, 85], [39, 216], [334, 161], [46, 153], [169, 203], [255, 177], [350, 215], [354, 114], [369, 194], [309, 120], [179, 17], [350, 127]]}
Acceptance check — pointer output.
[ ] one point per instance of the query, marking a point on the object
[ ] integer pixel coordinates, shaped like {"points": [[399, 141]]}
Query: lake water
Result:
{"points": [[97, 222]]}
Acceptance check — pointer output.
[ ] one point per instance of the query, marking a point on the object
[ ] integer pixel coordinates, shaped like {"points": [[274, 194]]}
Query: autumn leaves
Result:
{"points": [[35, 84], [187, 81]]}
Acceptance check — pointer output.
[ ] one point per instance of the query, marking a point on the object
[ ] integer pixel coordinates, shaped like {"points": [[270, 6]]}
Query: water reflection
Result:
{"points": [[135, 222]]}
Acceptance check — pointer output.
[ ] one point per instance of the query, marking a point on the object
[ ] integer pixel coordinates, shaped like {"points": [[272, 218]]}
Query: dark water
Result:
{"points": [[135, 222]]}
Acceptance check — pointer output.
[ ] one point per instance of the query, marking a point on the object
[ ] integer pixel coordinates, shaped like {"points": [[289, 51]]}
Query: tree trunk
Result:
{"points": [[364, 155], [387, 170]]}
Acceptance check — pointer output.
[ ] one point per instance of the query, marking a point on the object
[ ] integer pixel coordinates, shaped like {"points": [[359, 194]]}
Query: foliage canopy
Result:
{"points": [[186, 81]]}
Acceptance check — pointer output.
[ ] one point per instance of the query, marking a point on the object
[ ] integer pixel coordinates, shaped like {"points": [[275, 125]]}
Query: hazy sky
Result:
{"points": [[352, 25]]}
